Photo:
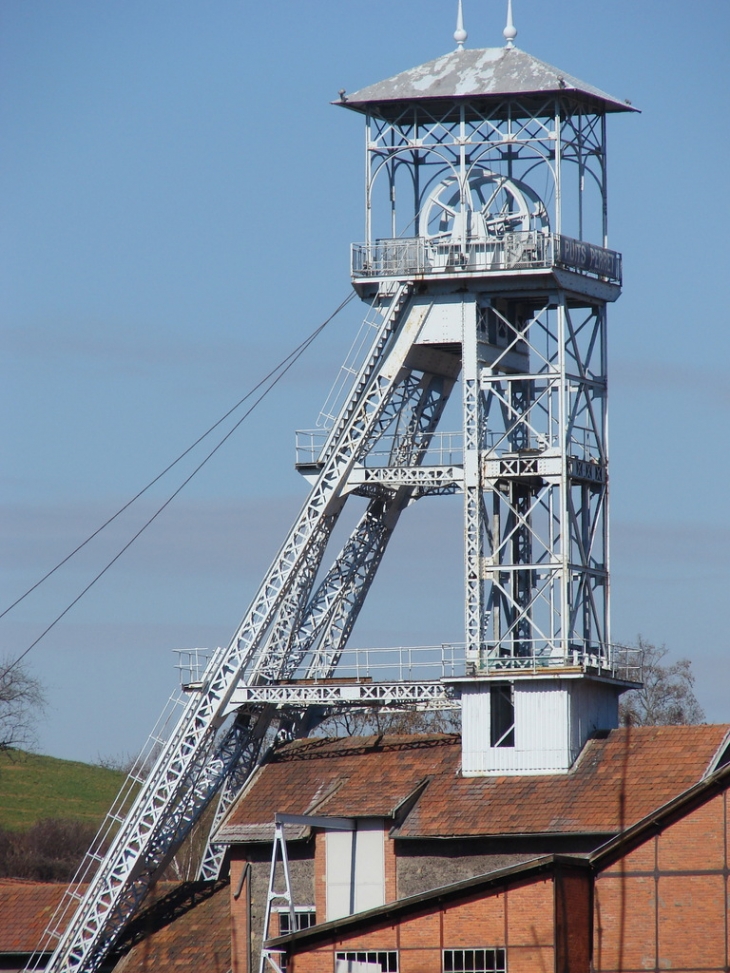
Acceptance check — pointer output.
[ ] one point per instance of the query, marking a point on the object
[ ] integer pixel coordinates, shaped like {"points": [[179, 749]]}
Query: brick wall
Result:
{"points": [[664, 904], [240, 914], [518, 917], [249, 890], [391, 869], [320, 875]]}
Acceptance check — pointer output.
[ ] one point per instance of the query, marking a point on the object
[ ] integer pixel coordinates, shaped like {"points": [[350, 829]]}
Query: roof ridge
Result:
{"points": [[323, 747]]}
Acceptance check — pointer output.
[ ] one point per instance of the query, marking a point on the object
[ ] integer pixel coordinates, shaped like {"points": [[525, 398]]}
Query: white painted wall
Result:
{"points": [[593, 706], [553, 720]]}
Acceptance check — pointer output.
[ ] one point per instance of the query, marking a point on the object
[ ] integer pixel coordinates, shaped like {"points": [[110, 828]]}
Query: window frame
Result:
{"points": [[502, 715], [299, 910], [361, 956], [498, 966]]}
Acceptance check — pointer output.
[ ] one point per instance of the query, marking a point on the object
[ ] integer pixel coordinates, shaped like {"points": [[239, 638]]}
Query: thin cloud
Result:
{"points": [[679, 379], [211, 537], [662, 545]]}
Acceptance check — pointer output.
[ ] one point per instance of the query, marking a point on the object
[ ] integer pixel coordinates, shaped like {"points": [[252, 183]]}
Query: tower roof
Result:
{"points": [[489, 74]]}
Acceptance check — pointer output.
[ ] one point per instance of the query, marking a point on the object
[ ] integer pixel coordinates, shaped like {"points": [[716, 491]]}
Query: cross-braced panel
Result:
{"points": [[544, 456]]}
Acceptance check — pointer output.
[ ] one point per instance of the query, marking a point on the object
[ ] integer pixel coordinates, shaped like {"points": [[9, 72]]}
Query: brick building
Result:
{"points": [[621, 864], [439, 870]]}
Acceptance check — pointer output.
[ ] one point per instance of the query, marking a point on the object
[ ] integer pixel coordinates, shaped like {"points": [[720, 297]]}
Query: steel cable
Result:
{"points": [[273, 377]]}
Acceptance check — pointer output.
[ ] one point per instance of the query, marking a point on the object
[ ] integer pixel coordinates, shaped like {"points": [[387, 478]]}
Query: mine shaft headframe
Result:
{"points": [[476, 196]]}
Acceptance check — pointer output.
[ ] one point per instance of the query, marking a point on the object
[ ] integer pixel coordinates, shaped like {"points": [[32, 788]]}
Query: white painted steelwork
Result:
{"points": [[500, 160], [339, 694], [528, 250]]}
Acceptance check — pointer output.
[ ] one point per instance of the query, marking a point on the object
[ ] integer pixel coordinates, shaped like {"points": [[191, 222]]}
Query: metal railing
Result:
{"points": [[425, 663], [410, 663], [191, 664], [619, 661], [448, 661], [444, 449], [408, 257]]}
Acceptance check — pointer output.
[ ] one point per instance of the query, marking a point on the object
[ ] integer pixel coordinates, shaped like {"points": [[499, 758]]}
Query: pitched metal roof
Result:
{"points": [[488, 74], [416, 783]]}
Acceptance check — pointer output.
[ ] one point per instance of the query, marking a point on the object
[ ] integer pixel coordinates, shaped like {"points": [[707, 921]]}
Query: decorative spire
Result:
{"points": [[460, 35], [510, 31]]}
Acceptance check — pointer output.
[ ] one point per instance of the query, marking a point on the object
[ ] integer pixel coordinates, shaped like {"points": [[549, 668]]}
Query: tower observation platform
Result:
{"points": [[520, 252], [486, 270]]}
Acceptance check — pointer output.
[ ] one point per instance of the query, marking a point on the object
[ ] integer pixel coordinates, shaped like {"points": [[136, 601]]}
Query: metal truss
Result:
{"points": [[543, 468], [551, 143], [258, 720], [332, 609], [527, 333], [346, 694], [290, 616], [518, 549], [188, 774], [328, 619], [428, 478]]}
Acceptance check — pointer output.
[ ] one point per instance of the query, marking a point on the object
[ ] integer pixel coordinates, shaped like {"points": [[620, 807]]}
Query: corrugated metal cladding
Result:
{"points": [[355, 869], [541, 725], [553, 719], [593, 706]]}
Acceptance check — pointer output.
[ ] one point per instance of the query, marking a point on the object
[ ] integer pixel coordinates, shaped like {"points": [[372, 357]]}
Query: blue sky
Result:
{"points": [[178, 198]]}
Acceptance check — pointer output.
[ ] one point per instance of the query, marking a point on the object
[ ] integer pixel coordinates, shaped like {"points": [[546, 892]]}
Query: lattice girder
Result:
{"points": [[494, 275], [152, 829]]}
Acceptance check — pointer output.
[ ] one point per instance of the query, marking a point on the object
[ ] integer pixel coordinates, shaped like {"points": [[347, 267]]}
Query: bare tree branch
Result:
{"points": [[365, 722], [21, 703], [667, 696]]}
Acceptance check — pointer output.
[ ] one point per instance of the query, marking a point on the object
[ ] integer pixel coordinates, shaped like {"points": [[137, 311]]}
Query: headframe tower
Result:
{"points": [[486, 269], [495, 164]]}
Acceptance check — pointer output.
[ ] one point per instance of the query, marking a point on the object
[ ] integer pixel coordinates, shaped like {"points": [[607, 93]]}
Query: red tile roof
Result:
{"points": [[25, 909], [187, 929], [615, 782], [343, 777]]}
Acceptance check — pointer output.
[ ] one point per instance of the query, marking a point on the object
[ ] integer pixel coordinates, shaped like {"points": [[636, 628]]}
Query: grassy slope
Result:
{"points": [[33, 787]]}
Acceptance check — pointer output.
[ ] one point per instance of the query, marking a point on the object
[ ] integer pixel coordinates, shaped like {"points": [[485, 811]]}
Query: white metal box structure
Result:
{"points": [[550, 718]]}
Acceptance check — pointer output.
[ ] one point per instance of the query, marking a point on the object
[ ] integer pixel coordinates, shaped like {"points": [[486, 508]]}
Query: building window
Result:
{"points": [[304, 917], [375, 962], [502, 711], [475, 961]]}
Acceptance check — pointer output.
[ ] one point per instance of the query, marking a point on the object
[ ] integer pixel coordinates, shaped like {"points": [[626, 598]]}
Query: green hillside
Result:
{"points": [[33, 787]]}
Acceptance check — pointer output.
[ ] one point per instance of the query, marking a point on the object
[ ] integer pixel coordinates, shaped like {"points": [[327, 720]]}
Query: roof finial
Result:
{"points": [[460, 35], [510, 31]]}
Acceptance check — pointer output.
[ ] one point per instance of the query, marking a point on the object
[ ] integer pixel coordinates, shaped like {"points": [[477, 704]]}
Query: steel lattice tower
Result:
{"points": [[486, 269]]}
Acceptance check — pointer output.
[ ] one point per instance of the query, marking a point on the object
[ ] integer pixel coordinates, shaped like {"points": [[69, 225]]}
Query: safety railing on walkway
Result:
{"points": [[410, 257]]}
